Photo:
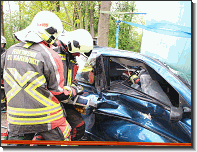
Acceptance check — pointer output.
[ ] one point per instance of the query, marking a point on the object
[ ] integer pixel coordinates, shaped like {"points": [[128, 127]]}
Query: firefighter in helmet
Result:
{"points": [[3, 44], [3, 97], [70, 45], [34, 82]]}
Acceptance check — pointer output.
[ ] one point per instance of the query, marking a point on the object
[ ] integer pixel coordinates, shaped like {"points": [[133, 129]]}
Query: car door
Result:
{"points": [[127, 112]]}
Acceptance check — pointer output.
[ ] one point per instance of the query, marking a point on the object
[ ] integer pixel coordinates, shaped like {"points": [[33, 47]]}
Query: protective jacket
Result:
{"points": [[69, 63], [2, 50], [73, 112], [3, 97], [33, 82]]}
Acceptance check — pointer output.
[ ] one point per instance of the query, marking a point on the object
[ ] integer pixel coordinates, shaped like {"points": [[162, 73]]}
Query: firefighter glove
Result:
{"points": [[79, 89]]}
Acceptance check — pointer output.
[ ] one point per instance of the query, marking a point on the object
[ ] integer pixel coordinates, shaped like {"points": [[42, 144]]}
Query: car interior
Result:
{"points": [[128, 75], [134, 78]]}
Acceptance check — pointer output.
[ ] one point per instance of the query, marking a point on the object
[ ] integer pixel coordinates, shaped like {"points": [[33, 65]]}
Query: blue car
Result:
{"points": [[138, 98]]}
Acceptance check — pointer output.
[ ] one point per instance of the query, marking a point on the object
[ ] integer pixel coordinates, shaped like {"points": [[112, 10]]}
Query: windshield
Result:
{"points": [[185, 78]]}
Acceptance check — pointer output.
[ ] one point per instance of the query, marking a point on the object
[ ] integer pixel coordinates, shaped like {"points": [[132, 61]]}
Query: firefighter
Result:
{"points": [[3, 97], [34, 83], [3, 44], [71, 44], [68, 51]]}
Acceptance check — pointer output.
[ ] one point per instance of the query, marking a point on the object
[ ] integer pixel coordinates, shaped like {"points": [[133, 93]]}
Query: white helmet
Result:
{"points": [[3, 41], [44, 26], [77, 41]]}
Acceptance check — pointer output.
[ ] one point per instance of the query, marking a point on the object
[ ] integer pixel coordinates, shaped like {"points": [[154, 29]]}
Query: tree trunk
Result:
{"points": [[11, 28], [52, 6], [99, 7], [86, 15], [80, 15], [92, 18], [58, 6], [103, 25], [2, 21], [40, 5], [74, 15], [20, 18]]}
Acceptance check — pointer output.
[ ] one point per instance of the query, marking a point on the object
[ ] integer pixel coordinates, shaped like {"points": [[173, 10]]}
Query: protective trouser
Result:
{"points": [[76, 122], [56, 134], [3, 97], [25, 137], [3, 100], [73, 117]]}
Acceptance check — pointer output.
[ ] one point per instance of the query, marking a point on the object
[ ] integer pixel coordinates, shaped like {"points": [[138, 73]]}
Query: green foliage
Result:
{"points": [[112, 33], [129, 38], [12, 25]]}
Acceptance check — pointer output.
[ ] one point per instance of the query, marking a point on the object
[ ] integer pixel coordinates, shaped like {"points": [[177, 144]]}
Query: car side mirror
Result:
{"points": [[176, 114]]}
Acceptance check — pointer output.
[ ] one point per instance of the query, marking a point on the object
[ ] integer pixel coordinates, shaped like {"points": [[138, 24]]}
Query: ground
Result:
{"points": [[3, 126]]}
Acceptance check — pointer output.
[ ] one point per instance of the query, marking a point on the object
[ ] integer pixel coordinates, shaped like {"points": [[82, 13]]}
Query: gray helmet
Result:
{"points": [[3, 41]]}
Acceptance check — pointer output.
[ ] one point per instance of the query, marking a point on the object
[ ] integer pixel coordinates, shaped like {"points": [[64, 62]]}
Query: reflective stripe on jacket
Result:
{"points": [[33, 79]]}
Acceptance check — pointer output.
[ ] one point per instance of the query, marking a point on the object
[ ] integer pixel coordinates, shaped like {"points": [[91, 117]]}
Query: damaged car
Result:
{"points": [[138, 98]]}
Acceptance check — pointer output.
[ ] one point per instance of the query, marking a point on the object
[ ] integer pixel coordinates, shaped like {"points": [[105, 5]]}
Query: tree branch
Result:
{"points": [[10, 21], [67, 23], [36, 5], [67, 14]]}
